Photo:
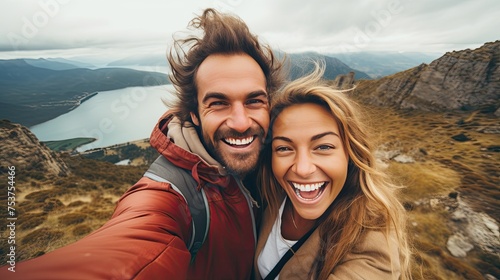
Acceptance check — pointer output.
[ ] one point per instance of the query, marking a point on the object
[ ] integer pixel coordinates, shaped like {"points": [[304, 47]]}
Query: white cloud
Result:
{"points": [[292, 25]]}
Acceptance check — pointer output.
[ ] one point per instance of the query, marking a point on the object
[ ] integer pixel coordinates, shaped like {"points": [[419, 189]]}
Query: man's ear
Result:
{"points": [[195, 119]]}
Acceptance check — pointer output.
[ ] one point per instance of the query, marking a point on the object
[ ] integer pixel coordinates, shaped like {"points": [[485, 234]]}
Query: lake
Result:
{"points": [[112, 117]]}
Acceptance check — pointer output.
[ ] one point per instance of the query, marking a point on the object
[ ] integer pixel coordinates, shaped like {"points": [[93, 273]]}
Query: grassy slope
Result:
{"points": [[443, 166], [58, 211]]}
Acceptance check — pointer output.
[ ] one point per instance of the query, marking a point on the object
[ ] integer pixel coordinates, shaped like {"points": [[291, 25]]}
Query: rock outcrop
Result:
{"points": [[344, 81], [459, 80], [20, 148]]}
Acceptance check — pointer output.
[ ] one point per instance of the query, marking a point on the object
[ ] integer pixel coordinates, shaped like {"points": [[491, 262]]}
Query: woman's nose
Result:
{"points": [[304, 165]]}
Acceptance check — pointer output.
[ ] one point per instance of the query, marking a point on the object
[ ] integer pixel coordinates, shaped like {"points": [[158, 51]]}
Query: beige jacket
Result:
{"points": [[370, 259]]}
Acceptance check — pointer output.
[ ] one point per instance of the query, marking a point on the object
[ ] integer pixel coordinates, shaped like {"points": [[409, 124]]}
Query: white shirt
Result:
{"points": [[276, 246]]}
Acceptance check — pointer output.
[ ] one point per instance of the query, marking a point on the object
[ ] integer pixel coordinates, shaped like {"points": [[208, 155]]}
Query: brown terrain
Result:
{"points": [[446, 153]]}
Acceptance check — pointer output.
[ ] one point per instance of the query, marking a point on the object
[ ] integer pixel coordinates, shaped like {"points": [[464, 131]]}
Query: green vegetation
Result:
{"points": [[68, 144]]}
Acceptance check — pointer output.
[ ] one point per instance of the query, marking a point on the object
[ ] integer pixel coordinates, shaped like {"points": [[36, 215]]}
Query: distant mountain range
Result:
{"points": [[58, 63], [300, 64], [33, 94], [381, 64], [36, 90], [365, 65]]}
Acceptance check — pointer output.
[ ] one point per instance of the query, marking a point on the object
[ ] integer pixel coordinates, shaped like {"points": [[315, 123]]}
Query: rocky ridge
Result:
{"points": [[459, 80], [19, 147]]}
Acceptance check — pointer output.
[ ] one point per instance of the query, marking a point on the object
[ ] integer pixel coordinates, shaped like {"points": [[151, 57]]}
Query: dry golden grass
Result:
{"points": [[444, 167], [54, 212], [59, 211], [425, 179]]}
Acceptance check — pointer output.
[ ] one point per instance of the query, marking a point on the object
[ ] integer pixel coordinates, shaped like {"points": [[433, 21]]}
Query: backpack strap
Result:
{"points": [[162, 170]]}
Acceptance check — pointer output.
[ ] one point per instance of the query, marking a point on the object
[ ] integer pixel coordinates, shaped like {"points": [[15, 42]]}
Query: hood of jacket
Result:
{"points": [[181, 145]]}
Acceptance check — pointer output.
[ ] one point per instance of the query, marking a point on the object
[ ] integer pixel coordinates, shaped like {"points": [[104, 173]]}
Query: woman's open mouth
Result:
{"points": [[309, 192]]}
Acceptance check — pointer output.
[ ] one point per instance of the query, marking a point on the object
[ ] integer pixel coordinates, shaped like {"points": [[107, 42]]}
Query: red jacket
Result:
{"points": [[145, 238]]}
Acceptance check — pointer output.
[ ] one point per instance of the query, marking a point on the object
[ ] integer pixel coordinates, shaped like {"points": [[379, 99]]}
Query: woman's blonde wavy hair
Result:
{"points": [[367, 201]]}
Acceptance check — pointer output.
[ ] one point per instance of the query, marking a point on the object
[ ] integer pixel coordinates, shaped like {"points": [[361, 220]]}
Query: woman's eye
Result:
{"points": [[325, 147], [282, 149]]}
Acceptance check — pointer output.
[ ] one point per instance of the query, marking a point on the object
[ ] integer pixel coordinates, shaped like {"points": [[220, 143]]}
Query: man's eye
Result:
{"points": [[255, 102], [217, 104]]}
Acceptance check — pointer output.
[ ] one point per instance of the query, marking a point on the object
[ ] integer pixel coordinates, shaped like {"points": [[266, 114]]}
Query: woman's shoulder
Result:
{"points": [[376, 255]]}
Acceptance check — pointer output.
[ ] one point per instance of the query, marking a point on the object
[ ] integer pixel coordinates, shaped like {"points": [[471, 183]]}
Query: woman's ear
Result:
{"points": [[195, 119]]}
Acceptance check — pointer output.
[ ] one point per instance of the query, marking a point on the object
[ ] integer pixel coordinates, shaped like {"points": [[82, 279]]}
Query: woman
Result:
{"points": [[325, 191]]}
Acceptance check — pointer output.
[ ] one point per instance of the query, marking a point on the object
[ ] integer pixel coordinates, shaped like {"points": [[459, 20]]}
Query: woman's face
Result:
{"points": [[308, 158]]}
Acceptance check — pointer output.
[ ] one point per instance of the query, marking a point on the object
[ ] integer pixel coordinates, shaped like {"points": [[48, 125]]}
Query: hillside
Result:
{"points": [[451, 197], [31, 95], [459, 80]]}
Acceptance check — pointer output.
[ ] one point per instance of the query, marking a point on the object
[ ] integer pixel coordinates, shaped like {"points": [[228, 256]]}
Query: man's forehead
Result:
{"points": [[230, 76]]}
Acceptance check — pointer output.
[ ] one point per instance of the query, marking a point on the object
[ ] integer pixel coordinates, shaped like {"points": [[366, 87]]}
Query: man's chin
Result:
{"points": [[241, 167]]}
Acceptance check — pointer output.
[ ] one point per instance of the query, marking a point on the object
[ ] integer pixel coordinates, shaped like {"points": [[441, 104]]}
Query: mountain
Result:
{"points": [[302, 64], [141, 60], [57, 63], [20, 148], [31, 95], [48, 64], [380, 64], [459, 80], [77, 63]]}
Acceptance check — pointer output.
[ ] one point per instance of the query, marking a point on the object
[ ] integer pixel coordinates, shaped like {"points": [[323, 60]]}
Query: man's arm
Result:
{"points": [[142, 240]]}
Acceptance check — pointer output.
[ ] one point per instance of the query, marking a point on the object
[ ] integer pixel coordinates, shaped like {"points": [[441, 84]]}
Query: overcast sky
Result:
{"points": [[65, 28]]}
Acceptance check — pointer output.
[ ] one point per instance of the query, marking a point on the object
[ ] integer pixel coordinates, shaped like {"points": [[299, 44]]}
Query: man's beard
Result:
{"points": [[237, 164]]}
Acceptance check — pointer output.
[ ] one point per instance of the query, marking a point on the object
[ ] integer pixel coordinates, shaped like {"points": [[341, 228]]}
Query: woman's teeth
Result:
{"points": [[309, 191], [307, 187]]}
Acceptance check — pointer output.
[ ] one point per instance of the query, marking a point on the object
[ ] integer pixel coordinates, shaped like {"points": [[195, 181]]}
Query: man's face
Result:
{"points": [[233, 110]]}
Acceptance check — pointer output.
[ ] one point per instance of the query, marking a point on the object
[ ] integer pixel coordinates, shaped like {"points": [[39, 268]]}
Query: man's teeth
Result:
{"points": [[238, 142], [308, 187]]}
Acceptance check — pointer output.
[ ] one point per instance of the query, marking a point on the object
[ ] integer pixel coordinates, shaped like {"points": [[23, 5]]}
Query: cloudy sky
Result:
{"points": [[114, 28]]}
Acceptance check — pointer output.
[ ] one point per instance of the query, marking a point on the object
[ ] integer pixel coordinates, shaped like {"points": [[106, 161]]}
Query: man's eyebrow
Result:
{"points": [[315, 137], [257, 93], [222, 96], [216, 95]]}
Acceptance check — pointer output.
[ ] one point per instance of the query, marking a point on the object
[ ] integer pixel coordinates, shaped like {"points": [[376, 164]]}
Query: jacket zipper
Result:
{"points": [[251, 201]]}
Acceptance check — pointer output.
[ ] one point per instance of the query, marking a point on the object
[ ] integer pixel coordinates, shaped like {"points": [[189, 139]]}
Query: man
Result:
{"points": [[216, 130]]}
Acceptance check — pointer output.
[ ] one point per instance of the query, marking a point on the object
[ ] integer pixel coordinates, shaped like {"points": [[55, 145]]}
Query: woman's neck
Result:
{"points": [[293, 226]]}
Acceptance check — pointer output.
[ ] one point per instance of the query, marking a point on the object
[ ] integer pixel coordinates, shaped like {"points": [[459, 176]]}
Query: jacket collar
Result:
{"points": [[182, 146]]}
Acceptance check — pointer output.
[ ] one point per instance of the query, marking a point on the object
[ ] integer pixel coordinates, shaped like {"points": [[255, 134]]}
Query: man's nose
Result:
{"points": [[239, 119]]}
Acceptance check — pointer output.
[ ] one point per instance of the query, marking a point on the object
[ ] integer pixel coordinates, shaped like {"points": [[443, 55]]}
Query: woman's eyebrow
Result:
{"points": [[315, 137], [283, 138]]}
